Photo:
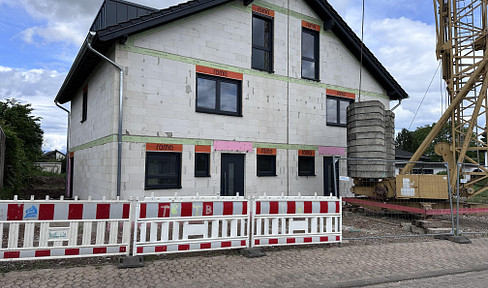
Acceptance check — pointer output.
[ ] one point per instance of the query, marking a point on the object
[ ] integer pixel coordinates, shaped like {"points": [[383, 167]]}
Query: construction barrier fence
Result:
{"points": [[182, 224], [34, 229], [296, 220], [48, 229]]}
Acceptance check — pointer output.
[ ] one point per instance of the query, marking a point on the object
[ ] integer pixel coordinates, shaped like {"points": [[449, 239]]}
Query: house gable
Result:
{"points": [[84, 62]]}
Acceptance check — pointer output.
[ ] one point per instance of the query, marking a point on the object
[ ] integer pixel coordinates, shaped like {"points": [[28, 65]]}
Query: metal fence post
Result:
{"points": [[449, 190], [457, 200]]}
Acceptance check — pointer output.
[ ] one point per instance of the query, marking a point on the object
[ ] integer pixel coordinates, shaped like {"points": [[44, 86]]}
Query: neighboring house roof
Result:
{"points": [[52, 154], [147, 18], [403, 155]]}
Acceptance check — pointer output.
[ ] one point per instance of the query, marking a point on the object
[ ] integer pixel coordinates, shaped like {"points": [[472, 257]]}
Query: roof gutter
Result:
{"points": [[90, 37]]}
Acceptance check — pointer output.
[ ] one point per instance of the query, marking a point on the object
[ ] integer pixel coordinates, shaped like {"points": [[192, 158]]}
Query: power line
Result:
{"points": [[420, 104]]}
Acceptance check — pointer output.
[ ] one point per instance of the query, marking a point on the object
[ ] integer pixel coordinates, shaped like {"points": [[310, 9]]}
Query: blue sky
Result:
{"points": [[40, 39]]}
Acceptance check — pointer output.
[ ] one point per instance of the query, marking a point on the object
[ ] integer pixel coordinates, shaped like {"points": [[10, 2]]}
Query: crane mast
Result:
{"points": [[461, 27]]}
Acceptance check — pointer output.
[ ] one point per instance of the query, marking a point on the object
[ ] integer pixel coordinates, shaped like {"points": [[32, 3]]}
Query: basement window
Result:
{"points": [[163, 170], [336, 111], [218, 95]]}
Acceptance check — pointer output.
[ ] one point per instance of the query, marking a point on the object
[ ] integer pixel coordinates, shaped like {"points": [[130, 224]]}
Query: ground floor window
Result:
{"points": [[306, 166], [202, 165], [163, 170], [266, 165]]}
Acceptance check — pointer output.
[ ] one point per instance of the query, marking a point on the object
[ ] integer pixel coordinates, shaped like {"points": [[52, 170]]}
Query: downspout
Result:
{"points": [[399, 102], [90, 37], [68, 159]]}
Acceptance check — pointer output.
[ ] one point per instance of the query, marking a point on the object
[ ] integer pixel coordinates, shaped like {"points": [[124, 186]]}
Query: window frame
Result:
{"points": [[205, 173], [84, 105], [262, 173], [151, 154], [316, 59], [302, 172], [217, 110], [337, 100], [269, 49]]}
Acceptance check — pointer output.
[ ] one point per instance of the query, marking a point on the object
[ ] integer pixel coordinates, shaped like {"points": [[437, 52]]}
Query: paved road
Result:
{"points": [[387, 265], [477, 279]]}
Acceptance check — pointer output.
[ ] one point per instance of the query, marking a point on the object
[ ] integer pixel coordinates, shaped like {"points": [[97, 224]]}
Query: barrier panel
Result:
{"points": [[183, 224], [34, 229], [295, 220]]}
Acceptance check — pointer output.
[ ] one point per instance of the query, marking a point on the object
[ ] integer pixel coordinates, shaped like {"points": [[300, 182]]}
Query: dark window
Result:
{"points": [[262, 43], [163, 170], [336, 111], [202, 165], [218, 95], [84, 105], [266, 165], [310, 54], [306, 166]]}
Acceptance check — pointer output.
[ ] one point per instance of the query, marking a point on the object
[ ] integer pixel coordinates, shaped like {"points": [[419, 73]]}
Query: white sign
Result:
{"points": [[58, 233]]}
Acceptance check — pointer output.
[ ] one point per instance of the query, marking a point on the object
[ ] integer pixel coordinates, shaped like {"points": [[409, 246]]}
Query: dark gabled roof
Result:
{"points": [[406, 156], [125, 26], [114, 12]]}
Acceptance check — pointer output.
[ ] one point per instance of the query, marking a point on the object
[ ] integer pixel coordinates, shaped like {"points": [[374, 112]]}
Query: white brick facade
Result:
{"points": [[279, 110]]}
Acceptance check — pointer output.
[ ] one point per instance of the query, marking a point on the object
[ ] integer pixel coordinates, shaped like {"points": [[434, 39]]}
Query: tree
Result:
{"points": [[411, 140], [18, 118], [23, 141]]}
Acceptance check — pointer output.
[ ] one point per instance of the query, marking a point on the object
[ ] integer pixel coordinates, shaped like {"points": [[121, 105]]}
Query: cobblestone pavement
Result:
{"points": [[321, 266]]}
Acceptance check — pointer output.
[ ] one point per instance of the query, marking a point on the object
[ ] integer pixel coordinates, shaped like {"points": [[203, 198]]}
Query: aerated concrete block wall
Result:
{"points": [[278, 108]]}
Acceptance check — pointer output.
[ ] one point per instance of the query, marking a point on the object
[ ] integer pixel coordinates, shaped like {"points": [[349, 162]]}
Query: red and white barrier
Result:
{"points": [[63, 228], [182, 224], [293, 220]]}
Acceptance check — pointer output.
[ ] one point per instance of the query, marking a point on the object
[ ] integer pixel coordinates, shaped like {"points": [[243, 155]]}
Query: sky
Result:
{"points": [[40, 39]]}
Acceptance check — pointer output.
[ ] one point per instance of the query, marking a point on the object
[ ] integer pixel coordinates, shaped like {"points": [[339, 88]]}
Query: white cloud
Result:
{"points": [[68, 21], [38, 87]]}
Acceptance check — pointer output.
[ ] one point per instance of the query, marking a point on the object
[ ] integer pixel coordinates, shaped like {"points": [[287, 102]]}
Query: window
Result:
{"points": [[202, 165], [163, 170], [266, 165], [218, 95], [84, 104], [306, 165], [336, 111], [310, 54], [262, 43]]}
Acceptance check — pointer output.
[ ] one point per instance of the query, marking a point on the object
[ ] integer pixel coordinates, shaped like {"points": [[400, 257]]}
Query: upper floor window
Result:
{"points": [[218, 95], [262, 43], [310, 51], [336, 110], [84, 104]]}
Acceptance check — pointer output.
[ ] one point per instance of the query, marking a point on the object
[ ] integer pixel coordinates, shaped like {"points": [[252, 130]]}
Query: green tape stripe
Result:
{"points": [[184, 141], [98, 142]]}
